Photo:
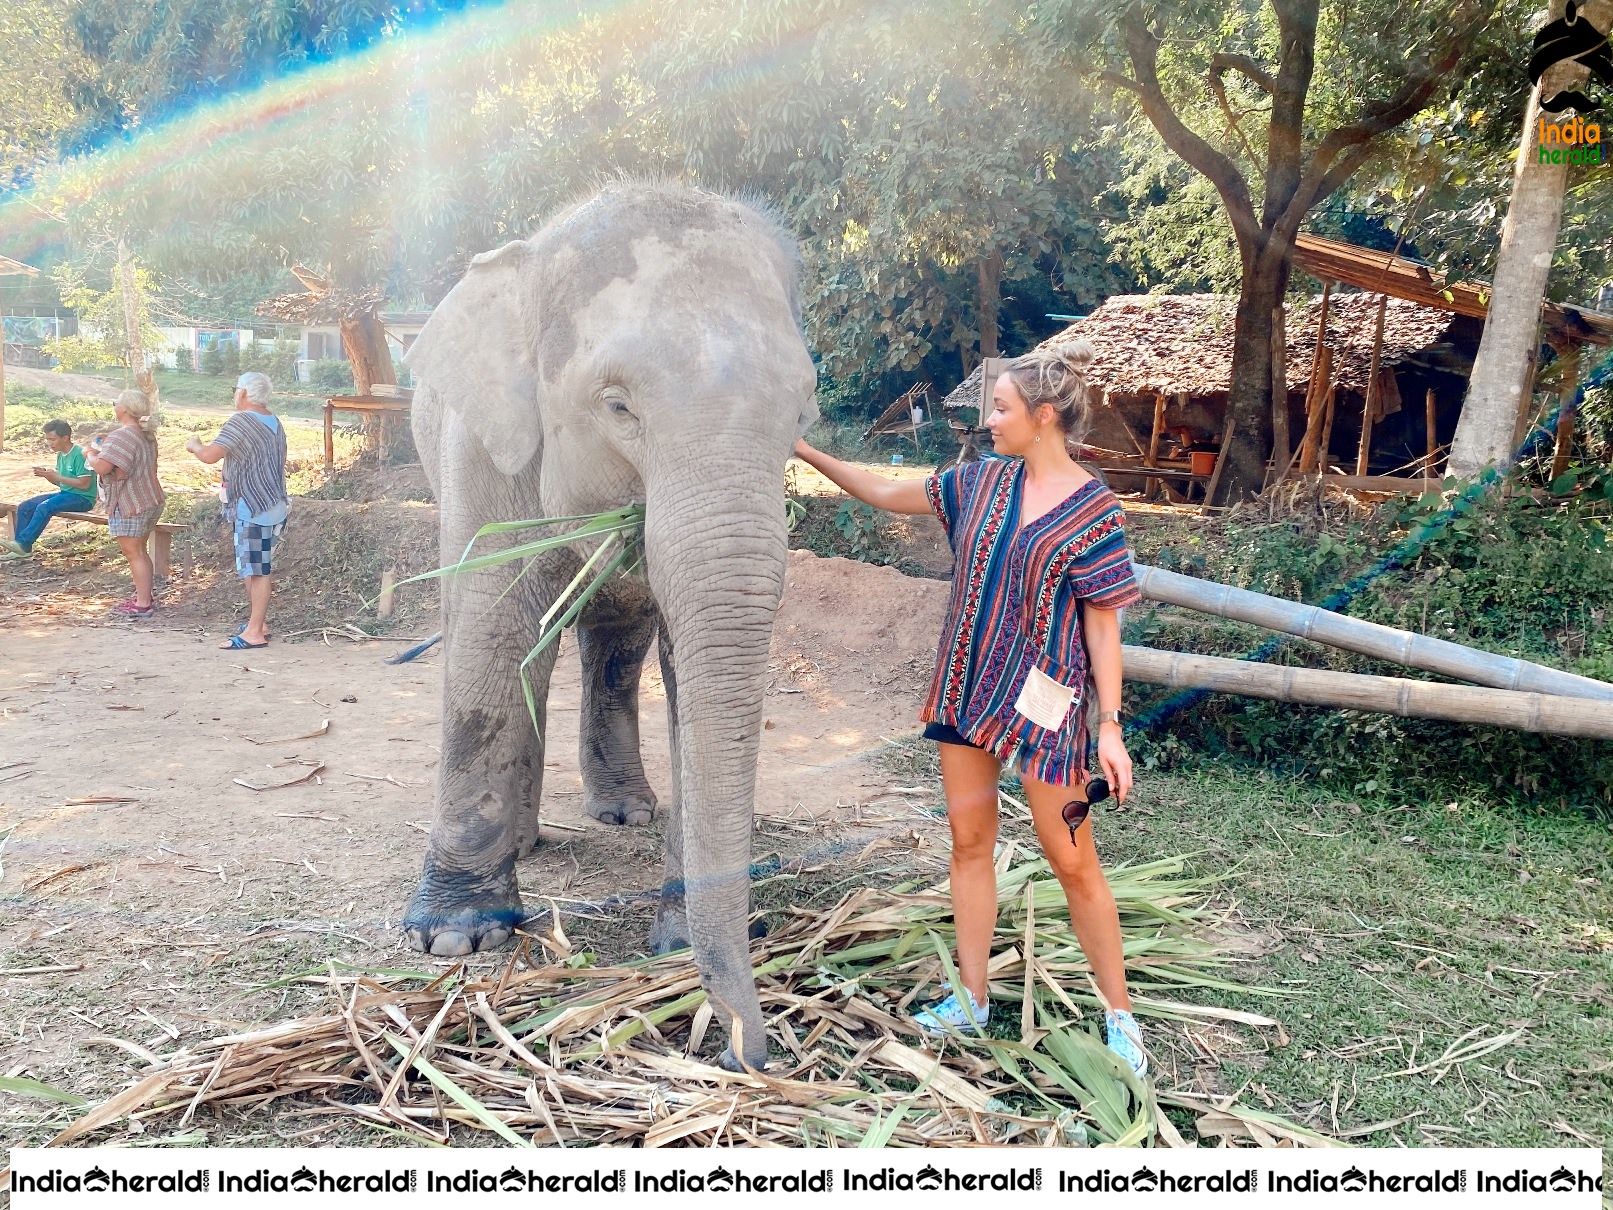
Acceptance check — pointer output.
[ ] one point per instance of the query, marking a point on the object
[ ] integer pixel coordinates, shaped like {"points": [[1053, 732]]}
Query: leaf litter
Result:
{"points": [[551, 1050]]}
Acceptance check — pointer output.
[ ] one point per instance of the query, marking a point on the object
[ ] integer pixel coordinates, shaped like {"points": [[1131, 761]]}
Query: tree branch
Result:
{"points": [[1224, 61], [1346, 148], [1143, 49], [1296, 64]]}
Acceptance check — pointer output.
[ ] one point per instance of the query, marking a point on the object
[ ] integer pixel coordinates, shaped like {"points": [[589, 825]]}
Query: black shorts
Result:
{"points": [[945, 733]]}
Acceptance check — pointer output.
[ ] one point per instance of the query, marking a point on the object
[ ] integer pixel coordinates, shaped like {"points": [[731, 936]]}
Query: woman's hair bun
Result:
{"points": [[1075, 355]]}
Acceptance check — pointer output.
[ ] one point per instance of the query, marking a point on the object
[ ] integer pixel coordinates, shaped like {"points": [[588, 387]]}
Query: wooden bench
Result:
{"points": [[162, 534]]}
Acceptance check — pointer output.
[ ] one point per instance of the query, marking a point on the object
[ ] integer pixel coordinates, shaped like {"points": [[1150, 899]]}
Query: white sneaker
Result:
{"points": [[1125, 1038], [950, 1014]]}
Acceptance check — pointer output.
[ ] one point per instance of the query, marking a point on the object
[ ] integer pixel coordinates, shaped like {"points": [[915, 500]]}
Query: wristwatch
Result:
{"points": [[1109, 716]]}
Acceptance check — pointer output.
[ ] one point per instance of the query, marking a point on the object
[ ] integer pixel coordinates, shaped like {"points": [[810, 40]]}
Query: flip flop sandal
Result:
{"points": [[241, 629], [237, 643], [129, 609]]}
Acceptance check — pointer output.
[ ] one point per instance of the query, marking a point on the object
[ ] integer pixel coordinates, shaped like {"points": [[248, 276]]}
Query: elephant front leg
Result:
{"points": [[489, 777], [614, 786]]}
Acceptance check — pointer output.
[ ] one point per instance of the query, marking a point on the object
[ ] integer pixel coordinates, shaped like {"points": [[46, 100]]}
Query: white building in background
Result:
{"points": [[189, 343], [324, 342]]}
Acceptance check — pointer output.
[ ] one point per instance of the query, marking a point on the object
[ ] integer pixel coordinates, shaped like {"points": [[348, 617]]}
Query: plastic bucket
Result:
{"points": [[1202, 462]]}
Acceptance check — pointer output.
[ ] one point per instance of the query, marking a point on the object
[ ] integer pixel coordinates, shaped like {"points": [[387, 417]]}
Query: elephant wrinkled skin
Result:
{"points": [[643, 346]]}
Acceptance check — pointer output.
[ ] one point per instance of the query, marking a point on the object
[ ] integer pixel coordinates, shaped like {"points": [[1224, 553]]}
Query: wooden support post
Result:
{"points": [[1321, 337], [1228, 428], [389, 580], [330, 440], [1432, 423], [1327, 424], [1370, 403], [1566, 411], [1314, 400], [162, 553], [1152, 457], [1279, 391]]}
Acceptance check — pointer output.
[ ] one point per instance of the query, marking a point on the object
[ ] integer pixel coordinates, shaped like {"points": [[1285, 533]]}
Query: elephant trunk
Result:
{"points": [[716, 565]]}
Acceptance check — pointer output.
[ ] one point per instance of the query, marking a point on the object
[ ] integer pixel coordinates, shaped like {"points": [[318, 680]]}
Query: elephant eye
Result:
{"points": [[616, 400]]}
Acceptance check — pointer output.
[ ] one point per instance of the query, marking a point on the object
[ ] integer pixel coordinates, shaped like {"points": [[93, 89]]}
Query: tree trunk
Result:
{"points": [[1497, 392], [988, 298], [1243, 458], [129, 289], [364, 342]]}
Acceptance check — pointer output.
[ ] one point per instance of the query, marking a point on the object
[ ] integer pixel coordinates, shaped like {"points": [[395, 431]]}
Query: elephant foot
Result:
{"points": [[451, 916], [755, 1057], [670, 932], [635, 808]]}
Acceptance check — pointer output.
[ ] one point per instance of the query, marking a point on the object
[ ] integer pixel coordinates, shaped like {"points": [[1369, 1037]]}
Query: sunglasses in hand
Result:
{"points": [[1075, 811]]}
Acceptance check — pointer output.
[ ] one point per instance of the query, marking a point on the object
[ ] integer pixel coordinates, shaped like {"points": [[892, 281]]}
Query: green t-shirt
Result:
{"points": [[71, 465]]}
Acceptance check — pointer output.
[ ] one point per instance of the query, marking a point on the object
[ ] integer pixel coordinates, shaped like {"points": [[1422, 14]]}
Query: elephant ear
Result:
{"points": [[474, 356]]}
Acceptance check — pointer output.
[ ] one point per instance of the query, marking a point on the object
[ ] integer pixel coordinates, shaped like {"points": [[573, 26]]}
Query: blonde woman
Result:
{"points": [[1041, 571], [126, 460]]}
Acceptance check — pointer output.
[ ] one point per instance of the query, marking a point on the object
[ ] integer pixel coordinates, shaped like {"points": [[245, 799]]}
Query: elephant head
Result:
{"points": [[646, 346]]}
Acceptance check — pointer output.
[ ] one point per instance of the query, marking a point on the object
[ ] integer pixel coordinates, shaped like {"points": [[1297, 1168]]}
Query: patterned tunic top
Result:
{"points": [[1016, 604], [131, 490]]}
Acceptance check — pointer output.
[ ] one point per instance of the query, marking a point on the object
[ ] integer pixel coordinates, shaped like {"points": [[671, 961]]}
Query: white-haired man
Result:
{"points": [[253, 446]]}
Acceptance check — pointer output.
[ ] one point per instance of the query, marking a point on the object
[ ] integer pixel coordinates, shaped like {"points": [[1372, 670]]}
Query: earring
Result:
{"points": [[1038, 436]]}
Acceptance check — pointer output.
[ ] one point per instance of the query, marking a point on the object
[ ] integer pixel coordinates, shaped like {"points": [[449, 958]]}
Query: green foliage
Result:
{"points": [[277, 359], [1512, 574], [103, 336], [858, 524], [333, 375], [211, 360], [39, 53]]}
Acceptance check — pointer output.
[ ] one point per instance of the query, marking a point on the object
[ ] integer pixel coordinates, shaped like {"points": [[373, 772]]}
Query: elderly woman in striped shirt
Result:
{"points": [[1041, 570]]}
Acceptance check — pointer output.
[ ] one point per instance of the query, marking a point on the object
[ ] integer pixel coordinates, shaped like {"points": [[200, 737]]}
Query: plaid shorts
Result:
{"points": [[254, 545], [133, 525]]}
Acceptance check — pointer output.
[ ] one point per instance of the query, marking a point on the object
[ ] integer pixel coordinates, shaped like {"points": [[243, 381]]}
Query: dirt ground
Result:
{"points": [[144, 881]]}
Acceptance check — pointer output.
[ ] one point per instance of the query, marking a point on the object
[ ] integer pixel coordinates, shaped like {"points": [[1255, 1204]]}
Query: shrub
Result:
{"points": [[229, 359], [211, 361], [184, 360], [333, 375], [277, 359]]}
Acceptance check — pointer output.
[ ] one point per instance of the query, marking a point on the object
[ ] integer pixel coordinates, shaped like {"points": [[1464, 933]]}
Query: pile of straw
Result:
{"points": [[553, 1051]]}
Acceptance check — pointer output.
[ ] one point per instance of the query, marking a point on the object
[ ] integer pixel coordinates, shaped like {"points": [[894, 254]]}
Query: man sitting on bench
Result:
{"points": [[75, 483]]}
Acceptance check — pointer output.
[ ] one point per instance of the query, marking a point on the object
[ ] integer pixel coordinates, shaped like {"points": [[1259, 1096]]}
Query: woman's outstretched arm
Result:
{"points": [[894, 496]]}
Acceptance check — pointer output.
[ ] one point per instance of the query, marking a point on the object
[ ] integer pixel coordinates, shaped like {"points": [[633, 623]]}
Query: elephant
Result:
{"points": [[644, 346]]}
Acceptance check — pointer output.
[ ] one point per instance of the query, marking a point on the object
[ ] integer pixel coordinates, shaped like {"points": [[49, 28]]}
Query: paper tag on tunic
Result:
{"points": [[1043, 700]]}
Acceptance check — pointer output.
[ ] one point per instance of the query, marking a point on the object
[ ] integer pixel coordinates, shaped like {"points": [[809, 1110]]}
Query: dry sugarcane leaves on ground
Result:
{"points": [[545, 1054]]}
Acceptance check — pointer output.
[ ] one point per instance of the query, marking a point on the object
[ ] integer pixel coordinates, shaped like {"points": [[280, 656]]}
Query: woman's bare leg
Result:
{"points": [[969, 779], [1093, 914], [140, 569]]}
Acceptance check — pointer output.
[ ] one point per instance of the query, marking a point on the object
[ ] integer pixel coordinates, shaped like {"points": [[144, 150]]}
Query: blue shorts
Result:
{"points": [[254, 547]]}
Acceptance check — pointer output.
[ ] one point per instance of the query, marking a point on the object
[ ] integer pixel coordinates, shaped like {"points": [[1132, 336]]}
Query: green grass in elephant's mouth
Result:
{"points": [[620, 551]]}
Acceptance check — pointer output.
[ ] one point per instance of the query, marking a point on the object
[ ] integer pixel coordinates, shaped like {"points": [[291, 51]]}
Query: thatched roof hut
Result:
{"points": [[1178, 347]]}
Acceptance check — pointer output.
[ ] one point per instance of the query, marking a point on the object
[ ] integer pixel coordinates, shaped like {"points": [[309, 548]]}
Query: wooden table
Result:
{"points": [[367, 405]]}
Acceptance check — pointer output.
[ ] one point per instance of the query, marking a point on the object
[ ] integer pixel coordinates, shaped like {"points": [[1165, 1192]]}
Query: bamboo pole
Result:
{"points": [[1535, 712], [1310, 444], [1367, 638], [1431, 421], [1328, 406], [1321, 339], [1364, 448], [1566, 413]]}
